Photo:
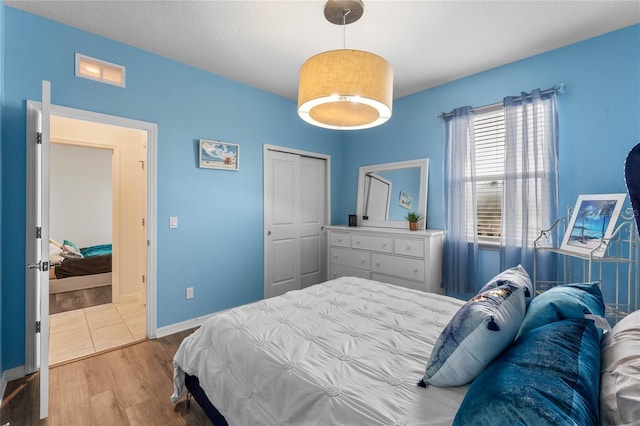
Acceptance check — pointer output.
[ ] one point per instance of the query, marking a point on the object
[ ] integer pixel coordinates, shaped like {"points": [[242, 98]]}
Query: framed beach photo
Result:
{"points": [[219, 155], [405, 200], [593, 219]]}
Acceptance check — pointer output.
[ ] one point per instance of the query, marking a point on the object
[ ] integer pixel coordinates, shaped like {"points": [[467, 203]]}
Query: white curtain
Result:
{"points": [[460, 246], [530, 199]]}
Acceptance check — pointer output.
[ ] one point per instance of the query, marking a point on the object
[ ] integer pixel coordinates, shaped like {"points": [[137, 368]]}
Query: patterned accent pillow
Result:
{"points": [[517, 276], [550, 376], [478, 332]]}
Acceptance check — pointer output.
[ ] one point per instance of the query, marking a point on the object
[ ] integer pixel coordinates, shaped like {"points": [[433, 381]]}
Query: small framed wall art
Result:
{"points": [[405, 200], [219, 155], [593, 220]]}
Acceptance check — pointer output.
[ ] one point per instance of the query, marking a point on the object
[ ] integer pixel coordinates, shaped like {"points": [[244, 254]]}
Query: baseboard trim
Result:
{"points": [[9, 375], [181, 326]]}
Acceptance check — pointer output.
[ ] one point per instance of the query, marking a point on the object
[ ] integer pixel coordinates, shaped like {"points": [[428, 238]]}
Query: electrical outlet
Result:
{"points": [[189, 292]]}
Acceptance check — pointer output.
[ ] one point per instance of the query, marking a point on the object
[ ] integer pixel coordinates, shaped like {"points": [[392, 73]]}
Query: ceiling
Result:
{"points": [[263, 43]]}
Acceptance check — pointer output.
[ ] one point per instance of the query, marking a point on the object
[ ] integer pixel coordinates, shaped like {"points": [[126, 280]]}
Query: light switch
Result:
{"points": [[173, 222]]}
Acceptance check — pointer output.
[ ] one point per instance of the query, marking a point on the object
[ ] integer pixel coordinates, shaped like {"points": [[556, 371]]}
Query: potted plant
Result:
{"points": [[413, 219]]}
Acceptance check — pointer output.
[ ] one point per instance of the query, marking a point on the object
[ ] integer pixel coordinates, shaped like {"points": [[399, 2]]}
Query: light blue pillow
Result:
{"points": [[478, 332], [551, 376], [563, 302], [517, 276]]}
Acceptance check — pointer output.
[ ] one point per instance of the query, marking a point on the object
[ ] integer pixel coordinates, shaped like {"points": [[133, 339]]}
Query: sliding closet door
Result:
{"points": [[295, 215], [282, 217], [313, 238]]}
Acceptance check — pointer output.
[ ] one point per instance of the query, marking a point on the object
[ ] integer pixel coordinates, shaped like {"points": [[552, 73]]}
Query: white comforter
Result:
{"points": [[349, 351]]}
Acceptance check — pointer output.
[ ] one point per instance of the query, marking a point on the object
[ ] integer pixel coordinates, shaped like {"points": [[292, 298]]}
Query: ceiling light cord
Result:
{"points": [[344, 28]]}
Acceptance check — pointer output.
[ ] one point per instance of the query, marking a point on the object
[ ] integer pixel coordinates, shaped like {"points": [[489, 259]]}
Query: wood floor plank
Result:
{"points": [[128, 386], [105, 410]]}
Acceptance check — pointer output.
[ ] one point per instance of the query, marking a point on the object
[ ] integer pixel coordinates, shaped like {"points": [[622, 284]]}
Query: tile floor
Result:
{"points": [[82, 332]]}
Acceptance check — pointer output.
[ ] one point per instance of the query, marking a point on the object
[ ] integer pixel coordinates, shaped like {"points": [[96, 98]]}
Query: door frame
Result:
{"points": [[265, 169], [33, 108]]}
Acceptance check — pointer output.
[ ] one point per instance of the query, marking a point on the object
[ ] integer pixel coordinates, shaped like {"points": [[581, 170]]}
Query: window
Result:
{"points": [[489, 156], [491, 176], [99, 70]]}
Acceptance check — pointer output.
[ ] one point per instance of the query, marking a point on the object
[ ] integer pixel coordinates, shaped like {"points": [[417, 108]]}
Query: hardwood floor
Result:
{"points": [[78, 299], [128, 386]]}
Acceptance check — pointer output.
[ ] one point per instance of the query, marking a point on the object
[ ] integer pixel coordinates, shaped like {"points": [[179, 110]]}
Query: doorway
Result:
{"points": [[97, 211], [148, 289]]}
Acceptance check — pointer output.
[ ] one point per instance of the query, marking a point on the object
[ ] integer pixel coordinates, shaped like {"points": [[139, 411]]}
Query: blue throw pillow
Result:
{"points": [[563, 302], [516, 276], [551, 376], [477, 333]]}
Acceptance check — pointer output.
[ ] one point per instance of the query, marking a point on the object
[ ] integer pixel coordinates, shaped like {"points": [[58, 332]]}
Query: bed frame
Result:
{"points": [[193, 386], [61, 285]]}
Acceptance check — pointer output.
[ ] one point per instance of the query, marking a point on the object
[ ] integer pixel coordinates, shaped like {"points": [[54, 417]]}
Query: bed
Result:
{"points": [[360, 344], [355, 351], [78, 269]]}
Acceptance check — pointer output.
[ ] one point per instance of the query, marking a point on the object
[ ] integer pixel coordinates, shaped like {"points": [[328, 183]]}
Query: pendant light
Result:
{"points": [[345, 89]]}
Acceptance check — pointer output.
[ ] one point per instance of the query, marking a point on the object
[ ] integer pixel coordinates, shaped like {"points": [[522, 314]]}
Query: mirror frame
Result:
{"points": [[423, 164]]}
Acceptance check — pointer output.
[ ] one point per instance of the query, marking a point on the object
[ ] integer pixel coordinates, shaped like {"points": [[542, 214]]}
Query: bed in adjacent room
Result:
{"points": [[360, 352], [79, 268]]}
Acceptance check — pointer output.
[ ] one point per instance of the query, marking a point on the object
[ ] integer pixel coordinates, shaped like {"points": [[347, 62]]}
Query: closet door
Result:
{"points": [[295, 216], [282, 223], [313, 238]]}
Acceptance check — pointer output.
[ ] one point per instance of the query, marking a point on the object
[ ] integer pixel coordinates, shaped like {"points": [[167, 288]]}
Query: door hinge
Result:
{"points": [[143, 221], [39, 138], [38, 232], [143, 278], [38, 325]]}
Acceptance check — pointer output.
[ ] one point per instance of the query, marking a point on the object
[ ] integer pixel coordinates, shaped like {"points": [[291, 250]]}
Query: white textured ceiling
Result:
{"points": [[263, 43]]}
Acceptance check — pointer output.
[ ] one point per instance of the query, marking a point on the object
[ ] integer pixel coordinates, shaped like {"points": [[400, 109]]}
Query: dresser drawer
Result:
{"points": [[338, 271], [373, 243], [399, 282], [402, 267], [353, 258], [342, 239], [409, 247]]}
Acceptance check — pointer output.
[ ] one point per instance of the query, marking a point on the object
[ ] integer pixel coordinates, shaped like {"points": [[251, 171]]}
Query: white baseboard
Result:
{"points": [[9, 375], [181, 326]]}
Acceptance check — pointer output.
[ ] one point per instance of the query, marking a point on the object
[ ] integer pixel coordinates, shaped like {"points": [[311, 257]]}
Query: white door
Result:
{"points": [[295, 206], [312, 221], [282, 220], [38, 243]]}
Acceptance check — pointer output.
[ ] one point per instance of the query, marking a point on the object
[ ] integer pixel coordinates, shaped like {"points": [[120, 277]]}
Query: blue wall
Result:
{"points": [[218, 247], [599, 118]]}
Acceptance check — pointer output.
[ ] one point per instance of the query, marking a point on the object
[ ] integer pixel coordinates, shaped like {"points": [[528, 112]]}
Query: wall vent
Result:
{"points": [[99, 70]]}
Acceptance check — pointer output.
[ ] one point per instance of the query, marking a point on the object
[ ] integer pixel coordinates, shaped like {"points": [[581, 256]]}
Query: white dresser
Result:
{"points": [[406, 258]]}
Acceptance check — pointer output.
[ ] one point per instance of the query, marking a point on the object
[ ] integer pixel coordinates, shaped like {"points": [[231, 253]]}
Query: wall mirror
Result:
{"points": [[387, 192]]}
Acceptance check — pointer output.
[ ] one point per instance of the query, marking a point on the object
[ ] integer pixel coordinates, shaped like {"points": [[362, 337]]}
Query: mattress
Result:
{"points": [[348, 351]]}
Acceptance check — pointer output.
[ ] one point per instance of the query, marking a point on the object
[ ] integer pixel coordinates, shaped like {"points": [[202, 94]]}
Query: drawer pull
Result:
{"points": [[335, 256], [378, 263], [408, 246], [363, 260], [357, 241], [415, 270], [384, 244]]}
